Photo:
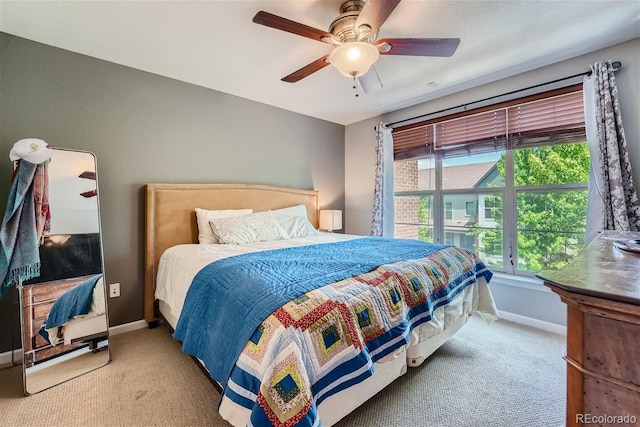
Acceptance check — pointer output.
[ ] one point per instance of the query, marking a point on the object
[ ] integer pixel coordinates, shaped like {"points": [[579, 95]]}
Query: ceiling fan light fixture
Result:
{"points": [[354, 59]]}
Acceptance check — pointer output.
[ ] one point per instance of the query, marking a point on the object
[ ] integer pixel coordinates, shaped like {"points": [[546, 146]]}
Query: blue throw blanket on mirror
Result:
{"points": [[19, 240], [250, 287]]}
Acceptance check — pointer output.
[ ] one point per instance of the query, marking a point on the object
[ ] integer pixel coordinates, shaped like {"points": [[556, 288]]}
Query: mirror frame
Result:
{"points": [[20, 287]]}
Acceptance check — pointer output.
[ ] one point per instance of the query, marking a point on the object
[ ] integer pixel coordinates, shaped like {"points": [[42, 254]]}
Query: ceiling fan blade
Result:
{"points": [[88, 194], [374, 13], [307, 70], [370, 81], [87, 175], [284, 24], [418, 47]]}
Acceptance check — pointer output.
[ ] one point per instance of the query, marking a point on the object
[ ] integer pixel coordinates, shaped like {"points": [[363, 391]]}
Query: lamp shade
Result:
{"points": [[354, 59], [330, 220]]}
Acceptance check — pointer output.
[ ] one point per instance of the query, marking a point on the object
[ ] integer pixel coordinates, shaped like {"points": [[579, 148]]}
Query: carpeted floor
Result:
{"points": [[496, 375]]}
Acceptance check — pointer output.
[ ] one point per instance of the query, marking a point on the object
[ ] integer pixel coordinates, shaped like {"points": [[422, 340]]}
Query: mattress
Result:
{"points": [[179, 265]]}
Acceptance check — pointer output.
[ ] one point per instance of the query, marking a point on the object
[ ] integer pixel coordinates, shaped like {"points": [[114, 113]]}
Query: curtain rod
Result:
{"points": [[616, 66]]}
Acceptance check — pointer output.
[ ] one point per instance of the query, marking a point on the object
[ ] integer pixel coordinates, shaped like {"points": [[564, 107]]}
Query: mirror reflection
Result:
{"points": [[64, 316]]}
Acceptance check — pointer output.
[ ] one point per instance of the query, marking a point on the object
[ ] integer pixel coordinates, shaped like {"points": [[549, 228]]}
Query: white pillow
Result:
{"points": [[295, 226], [205, 235], [257, 227], [298, 210]]}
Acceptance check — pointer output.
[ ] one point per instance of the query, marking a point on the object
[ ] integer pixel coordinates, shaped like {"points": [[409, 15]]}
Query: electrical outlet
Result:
{"points": [[114, 290]]}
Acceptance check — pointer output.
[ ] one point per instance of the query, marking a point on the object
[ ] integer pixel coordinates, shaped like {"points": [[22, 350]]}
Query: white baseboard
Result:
{"points": [[535, 323], [7, 359], [128, 327]]}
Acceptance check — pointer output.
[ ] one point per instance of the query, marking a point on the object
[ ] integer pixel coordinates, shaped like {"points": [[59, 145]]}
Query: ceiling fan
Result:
{"points": [[356, 46]]}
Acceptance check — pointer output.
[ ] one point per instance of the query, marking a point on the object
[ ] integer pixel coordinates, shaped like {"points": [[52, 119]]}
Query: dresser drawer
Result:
{"points": [[40, 312], [602, 398], [611, 348]]}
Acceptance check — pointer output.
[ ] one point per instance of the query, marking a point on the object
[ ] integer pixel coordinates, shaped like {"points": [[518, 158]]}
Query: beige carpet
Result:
{"points": [[487, 375]]}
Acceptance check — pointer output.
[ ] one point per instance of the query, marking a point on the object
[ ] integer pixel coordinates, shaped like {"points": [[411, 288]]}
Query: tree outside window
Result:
{"points": [[551, 223]]}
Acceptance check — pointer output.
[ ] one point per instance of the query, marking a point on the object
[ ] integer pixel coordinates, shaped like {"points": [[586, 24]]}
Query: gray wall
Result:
{"points": [[539, 304], [146, 128]]}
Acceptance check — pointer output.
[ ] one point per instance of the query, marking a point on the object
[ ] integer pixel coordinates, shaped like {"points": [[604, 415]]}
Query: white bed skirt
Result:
{"points": [[84, 327]]}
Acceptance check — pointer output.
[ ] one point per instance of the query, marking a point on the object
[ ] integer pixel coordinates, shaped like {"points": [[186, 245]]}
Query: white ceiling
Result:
{"points": [[215, 44]]}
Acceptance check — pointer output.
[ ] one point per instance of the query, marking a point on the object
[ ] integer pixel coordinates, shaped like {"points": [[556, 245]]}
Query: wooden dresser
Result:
{"points": [[601, 288], [37, 300]]}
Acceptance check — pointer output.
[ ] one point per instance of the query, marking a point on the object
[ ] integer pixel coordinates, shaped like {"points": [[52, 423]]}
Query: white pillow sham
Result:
{"points": [[260, 227], [295, 226], [257, 227], [205, 234], [298, 210]]}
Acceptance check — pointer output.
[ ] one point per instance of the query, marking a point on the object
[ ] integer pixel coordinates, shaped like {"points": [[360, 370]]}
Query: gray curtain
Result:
{"points": [[382, 218], [612, 191]]}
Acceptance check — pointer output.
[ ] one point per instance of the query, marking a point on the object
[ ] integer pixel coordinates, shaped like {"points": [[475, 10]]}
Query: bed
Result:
{"points": [[301, 367], [78, 315]]}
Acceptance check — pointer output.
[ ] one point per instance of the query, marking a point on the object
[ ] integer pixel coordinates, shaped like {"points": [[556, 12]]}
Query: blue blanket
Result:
{"points": [[251, 286], [75, 302], [19, 256]]}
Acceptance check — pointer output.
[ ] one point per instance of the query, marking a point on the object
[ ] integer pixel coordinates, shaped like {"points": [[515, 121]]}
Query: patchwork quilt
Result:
{"points": [[327, 336]]}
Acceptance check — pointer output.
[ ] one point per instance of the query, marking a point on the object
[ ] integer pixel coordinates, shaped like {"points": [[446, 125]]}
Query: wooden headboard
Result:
{"points": [[171, 218]]}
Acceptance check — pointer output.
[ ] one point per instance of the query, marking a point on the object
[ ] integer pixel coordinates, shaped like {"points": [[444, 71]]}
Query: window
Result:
{"points": [[414, 217], [512, 186], [448, 238], [468, 242], [489, 207], [448, 210], [471, 208]]}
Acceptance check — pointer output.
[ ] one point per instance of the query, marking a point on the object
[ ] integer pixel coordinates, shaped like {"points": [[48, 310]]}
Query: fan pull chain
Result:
{"points": [[355, 86]]}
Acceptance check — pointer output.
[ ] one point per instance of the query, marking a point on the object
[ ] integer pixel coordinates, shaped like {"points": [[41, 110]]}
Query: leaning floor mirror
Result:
{"points": [[63, 311]]}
